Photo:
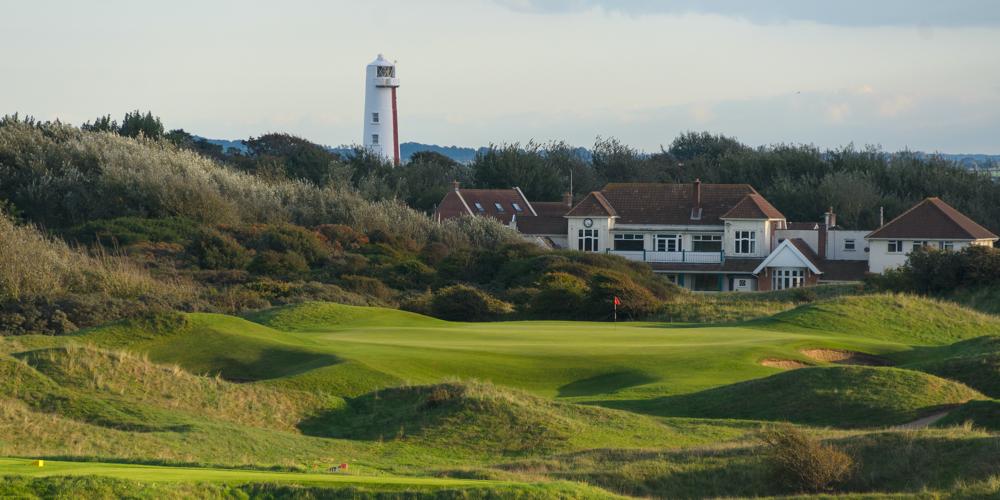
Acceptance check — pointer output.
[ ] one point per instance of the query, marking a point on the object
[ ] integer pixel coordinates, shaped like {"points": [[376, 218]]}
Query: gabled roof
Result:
{"points": [[753, 206], [459, 202], [664, 204], [932, 219], [593, 205], [797, 247]]}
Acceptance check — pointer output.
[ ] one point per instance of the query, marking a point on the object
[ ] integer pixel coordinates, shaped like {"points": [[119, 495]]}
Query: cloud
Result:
{"points": [[895, 105], [921, 13], [838, 113]]}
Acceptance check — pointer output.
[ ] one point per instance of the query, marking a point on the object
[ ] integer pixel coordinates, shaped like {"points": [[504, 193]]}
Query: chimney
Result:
{"points": [[568, 199], [830, 219], [454, 185], [822, 236]]}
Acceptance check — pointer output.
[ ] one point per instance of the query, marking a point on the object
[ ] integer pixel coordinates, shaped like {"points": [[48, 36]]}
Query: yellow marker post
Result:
{"points": [[38, 463]]}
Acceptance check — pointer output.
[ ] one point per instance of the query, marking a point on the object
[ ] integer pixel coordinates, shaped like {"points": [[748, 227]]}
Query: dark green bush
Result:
{"points": [[212, 249], [281, 264], [130, 230], [560, 295], [287, 238], [465, 303], [409, 275], [343, 236], [636, 301], [367, 286]]}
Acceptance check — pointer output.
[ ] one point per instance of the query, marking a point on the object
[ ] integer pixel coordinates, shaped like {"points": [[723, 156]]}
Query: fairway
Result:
{"points": [[419, 404], [316, 344], [137, 472]]}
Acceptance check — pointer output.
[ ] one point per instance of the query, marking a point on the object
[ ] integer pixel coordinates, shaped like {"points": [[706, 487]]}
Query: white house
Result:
{"points": [[932, 223], [705, 237], [718, 237]]}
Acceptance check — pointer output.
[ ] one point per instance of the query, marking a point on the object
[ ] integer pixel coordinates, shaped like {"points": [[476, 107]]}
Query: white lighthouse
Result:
{"points": [[381, 125]]}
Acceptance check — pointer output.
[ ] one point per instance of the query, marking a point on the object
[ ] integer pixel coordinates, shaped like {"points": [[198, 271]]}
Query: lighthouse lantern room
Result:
{"points": [[381, 118]]}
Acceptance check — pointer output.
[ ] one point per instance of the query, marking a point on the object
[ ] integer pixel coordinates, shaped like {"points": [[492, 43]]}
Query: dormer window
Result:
{"points": [[479, 207], [516, 207], [499, 207], [386, 72], [696, 213]]}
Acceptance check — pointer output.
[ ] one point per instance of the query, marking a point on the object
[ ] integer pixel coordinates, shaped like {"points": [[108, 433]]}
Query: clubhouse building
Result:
{"points": [[718, 237]]}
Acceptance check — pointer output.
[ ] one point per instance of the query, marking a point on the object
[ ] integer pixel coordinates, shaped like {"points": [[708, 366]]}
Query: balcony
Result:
{"points": [[672, 257]]}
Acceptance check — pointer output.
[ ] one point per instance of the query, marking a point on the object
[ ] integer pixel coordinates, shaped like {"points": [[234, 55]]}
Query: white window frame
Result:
{"points": [[894, 246], [701, 238], [374, 116], [920, 244], [946, 245], [667, 243], [850, 245], [588, 240], [744, 242], [374, 139], [783, 278]]}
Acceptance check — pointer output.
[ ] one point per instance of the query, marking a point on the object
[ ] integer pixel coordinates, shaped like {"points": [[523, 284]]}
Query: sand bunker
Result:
{"points": [[842, 357], [784, 364]]}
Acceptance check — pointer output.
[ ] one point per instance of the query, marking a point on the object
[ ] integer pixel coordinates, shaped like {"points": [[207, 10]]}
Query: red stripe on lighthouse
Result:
{"points": [[395, 130]]}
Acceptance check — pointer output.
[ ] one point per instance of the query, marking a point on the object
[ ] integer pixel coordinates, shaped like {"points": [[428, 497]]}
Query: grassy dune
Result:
{"points": [[633, 408]]}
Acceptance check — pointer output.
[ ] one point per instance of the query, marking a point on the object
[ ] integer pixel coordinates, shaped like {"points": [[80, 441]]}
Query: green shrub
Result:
{"points": [[802, 463], [560, 295], [343, 236], [212, 249], [282, 264], [409, 275], [637, 302], [286, 238], [465, 303], [367, 286], [132, 230]]}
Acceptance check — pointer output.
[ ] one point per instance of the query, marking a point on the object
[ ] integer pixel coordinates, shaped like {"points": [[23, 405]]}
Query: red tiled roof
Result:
{"points": [[651, 203], [553, 208], [806, 251], [543, 224], [594, 204], [753, 206], [932, 219], [464, 202]]}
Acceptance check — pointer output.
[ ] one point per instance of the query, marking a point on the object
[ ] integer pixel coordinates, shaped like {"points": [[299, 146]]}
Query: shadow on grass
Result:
{"points": [[270, 363], [606, 383]]}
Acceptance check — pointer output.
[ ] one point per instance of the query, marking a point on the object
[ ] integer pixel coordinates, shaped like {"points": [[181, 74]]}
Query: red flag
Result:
{"points": [[618, 301]]}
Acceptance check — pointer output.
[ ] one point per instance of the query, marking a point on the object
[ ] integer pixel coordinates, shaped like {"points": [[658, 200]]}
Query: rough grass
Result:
{"points": [[484, 418], [974, 362], [894, 317], [123, 375], [841, 396], [737, 306]]}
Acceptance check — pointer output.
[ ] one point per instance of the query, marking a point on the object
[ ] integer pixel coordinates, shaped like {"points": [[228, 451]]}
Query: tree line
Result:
{"points": [[801, 180]]}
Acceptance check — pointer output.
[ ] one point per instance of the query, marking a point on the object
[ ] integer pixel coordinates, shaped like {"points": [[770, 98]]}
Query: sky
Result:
{"points": [[902, 74]]}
